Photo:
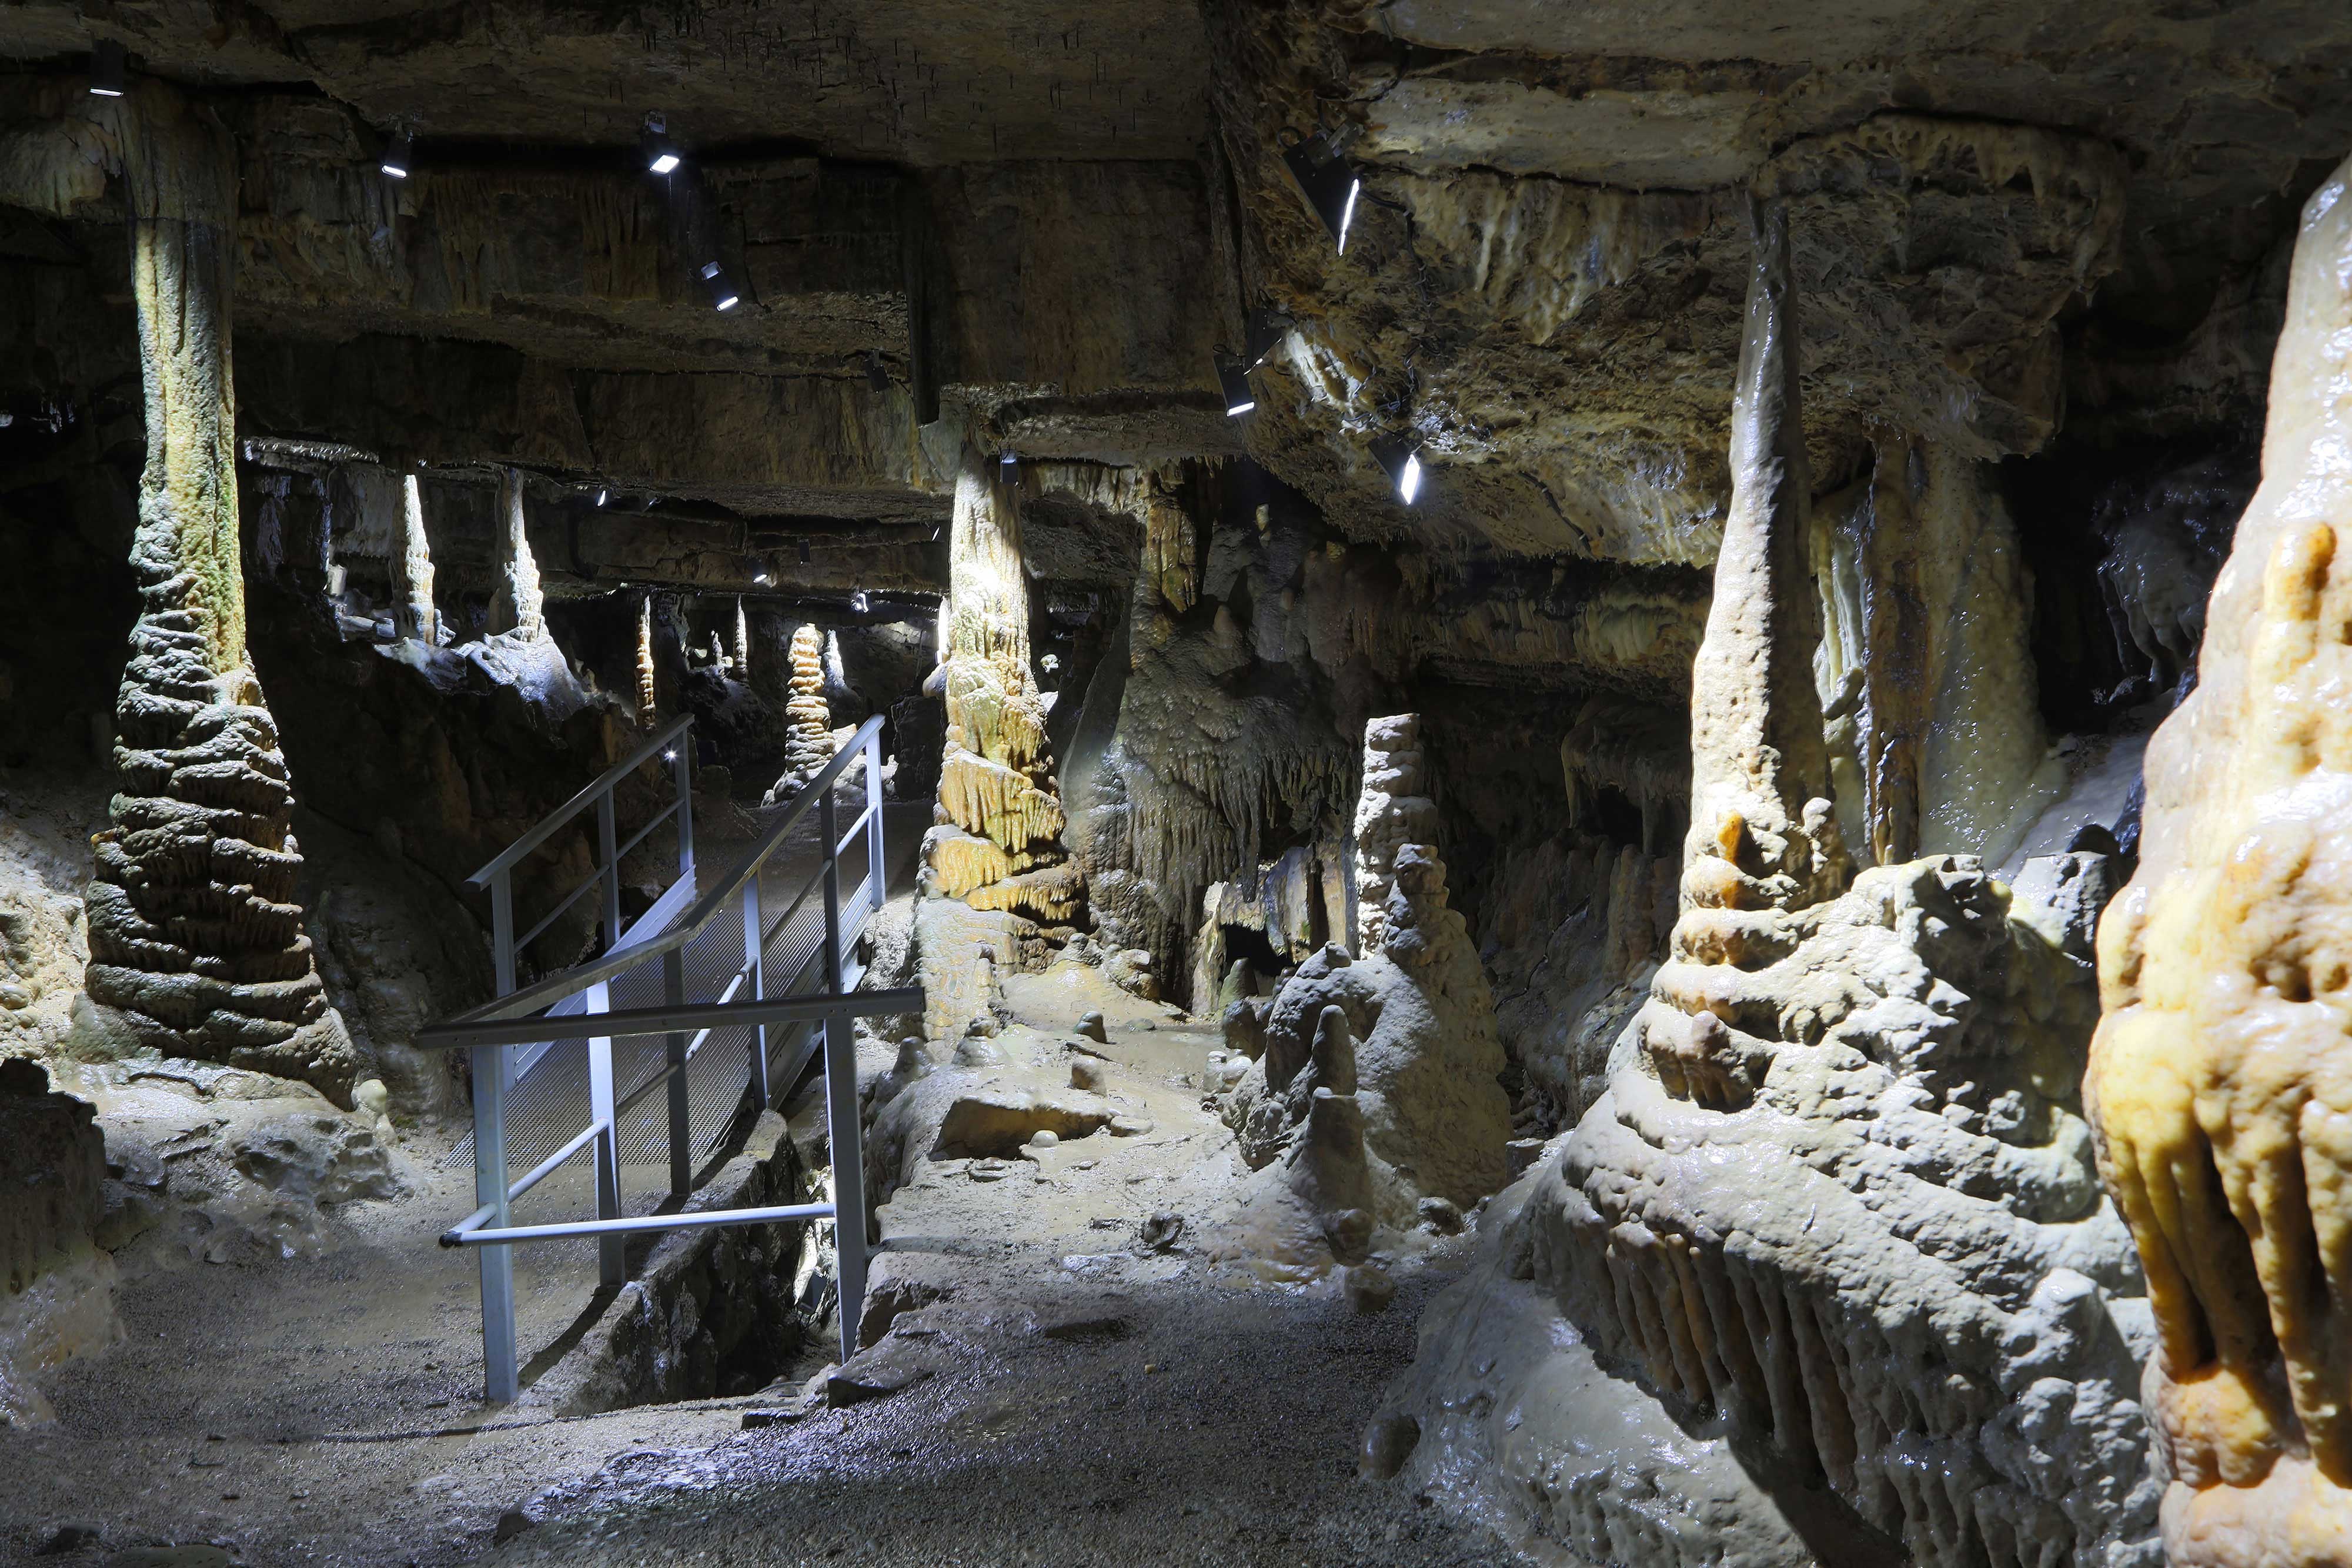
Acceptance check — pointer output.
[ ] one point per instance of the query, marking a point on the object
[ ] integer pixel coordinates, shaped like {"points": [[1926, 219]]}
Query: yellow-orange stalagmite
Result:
{"points": [[648, 706], [2220, 1078], [1000, 846]]}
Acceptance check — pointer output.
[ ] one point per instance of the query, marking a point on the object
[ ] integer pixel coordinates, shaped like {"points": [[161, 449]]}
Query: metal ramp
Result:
{"points": [[644, 1053]]}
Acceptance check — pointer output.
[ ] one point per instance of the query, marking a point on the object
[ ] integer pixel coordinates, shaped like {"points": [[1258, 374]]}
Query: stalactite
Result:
{"points": [[194, 933], [648, 708], [516, 603], [412, 570]]}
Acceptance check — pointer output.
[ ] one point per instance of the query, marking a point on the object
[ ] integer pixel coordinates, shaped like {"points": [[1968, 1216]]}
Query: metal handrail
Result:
{"points": [[514, 853], [576, 1005], [546, 993]]}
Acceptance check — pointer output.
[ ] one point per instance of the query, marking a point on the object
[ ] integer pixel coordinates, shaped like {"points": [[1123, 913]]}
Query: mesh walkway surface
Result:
{"points": [[550, 1103]]}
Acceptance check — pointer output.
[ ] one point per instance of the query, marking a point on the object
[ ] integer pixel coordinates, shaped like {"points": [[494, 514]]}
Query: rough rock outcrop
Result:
{"points": [[56, 1285], [2218, 1077], [195, 934]]}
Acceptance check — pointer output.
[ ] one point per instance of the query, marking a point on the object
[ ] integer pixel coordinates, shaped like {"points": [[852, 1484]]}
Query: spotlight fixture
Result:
{"points": [[1325, 178], [670, 755], [1008, 458], [108, 69], [763, 578], [857, 602], [875, 376], [805, 552], [1233, 376], [397, 153], [1400, 456], [723, 292], [661, 153], [602, 496], [1267, 328]]}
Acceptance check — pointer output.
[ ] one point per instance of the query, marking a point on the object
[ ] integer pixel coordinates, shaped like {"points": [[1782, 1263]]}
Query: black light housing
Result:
{"points": [[109, 70], [1232, 378], [1400, 456], [1008, 457], [805, 552], [661, 153], [875, 376], [723, 296], [1326, 180], [397, 154], [1267, 328]]}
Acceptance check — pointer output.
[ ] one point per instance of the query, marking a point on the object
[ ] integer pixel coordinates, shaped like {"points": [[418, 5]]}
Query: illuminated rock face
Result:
{"points": [[194, 932], [808, 733], [2221, 1079], [998, 846]]}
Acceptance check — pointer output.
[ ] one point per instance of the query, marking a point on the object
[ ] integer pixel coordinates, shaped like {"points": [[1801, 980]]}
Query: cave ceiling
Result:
{"points": [[2010, 220]]}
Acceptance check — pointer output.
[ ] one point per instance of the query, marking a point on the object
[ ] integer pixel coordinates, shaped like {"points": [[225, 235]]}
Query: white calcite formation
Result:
{"points": [[1835, 1210]]}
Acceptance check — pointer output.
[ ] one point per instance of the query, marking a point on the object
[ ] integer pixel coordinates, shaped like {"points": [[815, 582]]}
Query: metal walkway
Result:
{"points": [[708, 998]]}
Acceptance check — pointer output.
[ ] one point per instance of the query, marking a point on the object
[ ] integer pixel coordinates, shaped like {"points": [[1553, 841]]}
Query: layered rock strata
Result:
{"points": [[196, 936], [2218, 1080]]}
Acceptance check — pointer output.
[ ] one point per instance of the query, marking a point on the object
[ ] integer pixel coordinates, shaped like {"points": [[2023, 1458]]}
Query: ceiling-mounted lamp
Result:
{"points": [[857, 602], [1400, 458], [805, 552], [763, 578], [1007, 458], [398, 153], [1233, 379], [660, 152], [109, 70], [1326, 180], [1267, 328], [603, 495], [875, 376], [723, 292]]}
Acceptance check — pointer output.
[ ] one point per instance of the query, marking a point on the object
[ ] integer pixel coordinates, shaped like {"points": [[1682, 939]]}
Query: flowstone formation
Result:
{"points": [[194, 933], [1835, 1208], [1377, 1086], [808, 733], [998, 846], [2218, 1080]]}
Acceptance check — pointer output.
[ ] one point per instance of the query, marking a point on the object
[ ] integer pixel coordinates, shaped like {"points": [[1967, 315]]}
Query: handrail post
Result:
{"points": [[844, 1137], [755, 963], [681, 769], [681, 1137], [879, 895], [608, 840], [611, 1251], [500, 1383], [832, 831]]}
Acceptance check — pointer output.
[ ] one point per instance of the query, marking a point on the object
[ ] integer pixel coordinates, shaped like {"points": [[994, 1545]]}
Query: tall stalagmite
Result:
{"points": [[1000, 847], [412, 569], [516, 601], [648, 701], [194, 933], [808, 724], [2221, 1079]]}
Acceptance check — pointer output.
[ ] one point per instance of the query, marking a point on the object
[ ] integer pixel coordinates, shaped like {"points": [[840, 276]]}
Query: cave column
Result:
{"points": [[412, 569], [1000, 844], [515, 601], [195, 937]]}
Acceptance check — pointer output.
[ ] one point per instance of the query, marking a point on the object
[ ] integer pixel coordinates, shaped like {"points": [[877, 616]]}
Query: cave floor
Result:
{"points": [[1072, 1393]]}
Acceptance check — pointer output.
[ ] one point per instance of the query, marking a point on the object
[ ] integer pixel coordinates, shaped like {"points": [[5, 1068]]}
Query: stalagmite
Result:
{"points": [[516, 601], [1393, 810], [1000, 847], [2221, 1079], [194, 933], [648, 707], [742, 643], [412, 570], [1839, 1204], [808, 733]]}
